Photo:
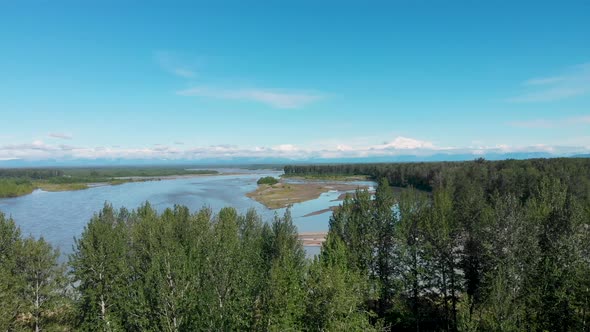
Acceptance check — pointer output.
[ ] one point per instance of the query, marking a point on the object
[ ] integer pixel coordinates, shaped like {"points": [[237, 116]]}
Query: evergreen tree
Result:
{"points": [[410, 252], [385, 223], [442, 234]]}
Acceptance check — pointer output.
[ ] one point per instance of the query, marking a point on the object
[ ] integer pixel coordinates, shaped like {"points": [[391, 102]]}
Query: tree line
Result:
{"points": [[16, 182], [174, 271], [493, 246], [505, 176]]}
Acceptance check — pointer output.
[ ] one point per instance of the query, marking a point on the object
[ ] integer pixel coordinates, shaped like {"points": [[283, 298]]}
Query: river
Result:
{"points": [[61, 216]]}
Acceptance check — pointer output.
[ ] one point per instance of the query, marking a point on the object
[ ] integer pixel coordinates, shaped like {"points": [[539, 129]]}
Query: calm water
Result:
{"points": [[61, 216]]}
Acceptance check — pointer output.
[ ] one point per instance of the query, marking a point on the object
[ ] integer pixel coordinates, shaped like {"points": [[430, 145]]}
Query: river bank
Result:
{"points": [[77, 179]]}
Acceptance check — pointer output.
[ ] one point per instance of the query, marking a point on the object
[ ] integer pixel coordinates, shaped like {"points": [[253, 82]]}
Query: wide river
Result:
{"points": [[61, 216]]}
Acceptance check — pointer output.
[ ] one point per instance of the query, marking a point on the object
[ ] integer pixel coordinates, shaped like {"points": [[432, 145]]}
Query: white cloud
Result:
{"points": [[278, 98], [273, 97], [573, 82], [286, 148], [60, 135], [399, 146], [405, 143]]}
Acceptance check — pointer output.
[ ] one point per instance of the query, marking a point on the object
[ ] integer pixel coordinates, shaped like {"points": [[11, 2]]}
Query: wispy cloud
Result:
{"points": [[60, 135], [183, 72], [573, 82], [170, 62], [544, 123], [273, 97], [545, 80]]}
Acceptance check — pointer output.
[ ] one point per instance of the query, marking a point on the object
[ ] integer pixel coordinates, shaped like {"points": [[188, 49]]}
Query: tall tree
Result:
{"points": [[11, 281], [285, 293], [99, 267], [442, 232], [410, 251], [335, 299], [385, 222], [45, 284]]}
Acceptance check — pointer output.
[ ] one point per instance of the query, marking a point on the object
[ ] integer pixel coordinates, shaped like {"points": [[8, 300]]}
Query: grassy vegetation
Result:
{"points": [[60, 187], [15, 187], [113, 172], [18, 182]]}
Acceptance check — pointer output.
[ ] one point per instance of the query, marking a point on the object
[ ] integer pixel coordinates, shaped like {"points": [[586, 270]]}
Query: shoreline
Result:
{"points": [[61, 187], [322, 211], [312, 239]]}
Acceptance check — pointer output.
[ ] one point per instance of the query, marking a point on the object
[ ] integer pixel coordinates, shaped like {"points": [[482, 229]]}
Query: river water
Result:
{"points": [[61, 216]]}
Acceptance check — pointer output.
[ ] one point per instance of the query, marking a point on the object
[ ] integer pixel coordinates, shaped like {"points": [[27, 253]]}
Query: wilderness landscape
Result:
{"points": [[499, 245], [294, 166]]}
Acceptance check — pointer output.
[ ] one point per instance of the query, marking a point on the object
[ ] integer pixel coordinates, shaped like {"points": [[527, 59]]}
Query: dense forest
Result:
{"points": [[505, 176], [483, 246]]}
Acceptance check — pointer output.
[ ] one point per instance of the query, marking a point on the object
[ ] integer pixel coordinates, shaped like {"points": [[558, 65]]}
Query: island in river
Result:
{"points": [[285, 193]]}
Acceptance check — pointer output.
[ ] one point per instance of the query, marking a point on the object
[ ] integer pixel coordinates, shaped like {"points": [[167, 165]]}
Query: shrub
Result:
{"points": [[268, 180]]}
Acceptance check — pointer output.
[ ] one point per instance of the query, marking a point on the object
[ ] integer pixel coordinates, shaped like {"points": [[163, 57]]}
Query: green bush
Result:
{"points": [[15, 187], [268, 180]]}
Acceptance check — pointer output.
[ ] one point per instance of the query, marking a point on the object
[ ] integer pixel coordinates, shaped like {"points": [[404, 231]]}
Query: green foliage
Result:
{"points": [[267, 180], [33, 287], [284, 298], [15, 187], [44, 292], [335, 293], [99, 267], [497, 246], [493, 246], [10, 303]]}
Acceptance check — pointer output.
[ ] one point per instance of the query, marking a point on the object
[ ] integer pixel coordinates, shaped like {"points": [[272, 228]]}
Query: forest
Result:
{"points": [[469, 246]]}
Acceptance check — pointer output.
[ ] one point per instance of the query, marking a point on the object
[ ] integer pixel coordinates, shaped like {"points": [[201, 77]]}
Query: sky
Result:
{"points": [[169, 80]]}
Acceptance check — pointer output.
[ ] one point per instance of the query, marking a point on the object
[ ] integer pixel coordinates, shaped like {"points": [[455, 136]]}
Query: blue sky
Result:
{"points": [[189, 80]]}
